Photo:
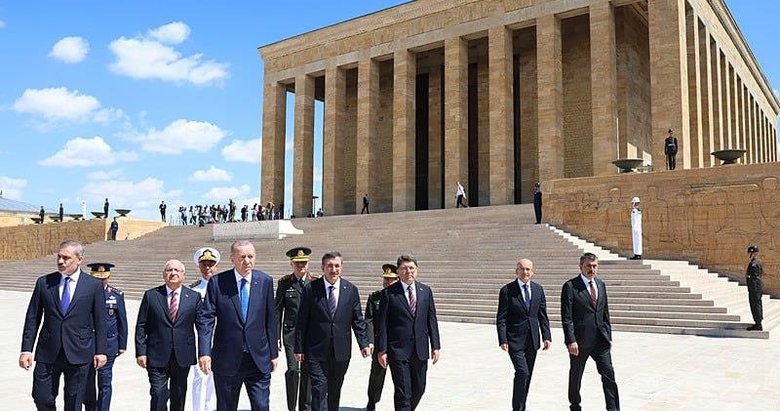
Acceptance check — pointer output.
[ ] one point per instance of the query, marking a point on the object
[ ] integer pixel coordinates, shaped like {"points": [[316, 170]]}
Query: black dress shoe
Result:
{"points": [[636, 257], [756, 327], [370, 407]]}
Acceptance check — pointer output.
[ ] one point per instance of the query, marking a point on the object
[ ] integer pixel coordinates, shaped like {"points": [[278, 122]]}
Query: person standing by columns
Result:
{"points": [[755, 287], [538, 202], [670, 149], [636, 228]]}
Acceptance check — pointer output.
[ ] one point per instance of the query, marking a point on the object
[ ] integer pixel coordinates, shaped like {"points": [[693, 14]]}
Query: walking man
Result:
{"points": [[114, 229], [522, 314], [289, 291], [203, 395], [587, 331], [460, 194], [73, 334], [376, 378], [408, 334], [365, 205], [755, 287]]}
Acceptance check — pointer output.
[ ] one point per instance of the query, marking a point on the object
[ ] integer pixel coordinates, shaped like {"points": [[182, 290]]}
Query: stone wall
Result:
{"points": [[577, 115], [706, 216], [26, 242]]}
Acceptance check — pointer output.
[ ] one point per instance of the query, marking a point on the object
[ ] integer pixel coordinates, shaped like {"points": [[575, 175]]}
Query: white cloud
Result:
{"points": [[2, 24], [12, 187], [141, 197], [105, 175], [222, 194], [777, 92], [54, 104], [87, 152], [182, 135], [243, 151], [70, 50], [212, 174], [171, 33], [150, 57]]}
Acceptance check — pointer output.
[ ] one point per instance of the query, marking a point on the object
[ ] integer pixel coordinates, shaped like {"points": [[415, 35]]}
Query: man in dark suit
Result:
{"points": [[587, 331], [376, 377], [522, 313], [73, 334], [98, 398], [330, 306], [407, 328], [242, 350], [165, 337]]}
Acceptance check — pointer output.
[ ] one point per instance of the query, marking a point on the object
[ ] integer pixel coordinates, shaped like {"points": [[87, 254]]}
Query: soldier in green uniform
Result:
{"points": [[376, 379], [755, 287], [288, 299]]}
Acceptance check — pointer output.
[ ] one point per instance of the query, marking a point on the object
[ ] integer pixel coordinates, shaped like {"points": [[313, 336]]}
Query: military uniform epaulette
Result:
{"points": [[195, 284], [375, 294], [289, 278], [117, 291]]}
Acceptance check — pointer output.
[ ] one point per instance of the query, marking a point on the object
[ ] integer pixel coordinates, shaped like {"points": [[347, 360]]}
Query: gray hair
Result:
{"points": [[77, 246]]}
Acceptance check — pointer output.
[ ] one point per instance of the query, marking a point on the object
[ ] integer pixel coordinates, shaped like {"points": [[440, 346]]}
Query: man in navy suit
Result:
{"points": [[73, 334], [522, 313], [406, 329], [165, 337], [330, 307], [587, 331], [242, 349]]}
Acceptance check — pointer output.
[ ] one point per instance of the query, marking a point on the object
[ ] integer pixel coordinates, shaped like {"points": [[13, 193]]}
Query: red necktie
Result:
{"points": [[593, 298], [412, 300], [172, 308]]}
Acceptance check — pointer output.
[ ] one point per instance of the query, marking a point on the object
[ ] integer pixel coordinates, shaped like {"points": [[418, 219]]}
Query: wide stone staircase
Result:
{"points": [[465, 255]]}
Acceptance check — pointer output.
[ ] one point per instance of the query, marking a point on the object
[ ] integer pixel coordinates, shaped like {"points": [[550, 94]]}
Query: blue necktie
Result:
{"points": [[527, 297], [244, 299], [65, 302]]}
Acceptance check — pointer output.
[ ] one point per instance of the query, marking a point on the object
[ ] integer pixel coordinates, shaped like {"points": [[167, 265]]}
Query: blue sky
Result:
{"points": [[145, 101]]}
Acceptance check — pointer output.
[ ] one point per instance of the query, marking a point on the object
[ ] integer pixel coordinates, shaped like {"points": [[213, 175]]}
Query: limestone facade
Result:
{"points": [[499, 94]]}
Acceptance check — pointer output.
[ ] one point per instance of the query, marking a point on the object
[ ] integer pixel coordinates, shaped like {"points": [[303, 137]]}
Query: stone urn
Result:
{"points": [[123, 212], [97, 214], [729, 156], [627, 165]]}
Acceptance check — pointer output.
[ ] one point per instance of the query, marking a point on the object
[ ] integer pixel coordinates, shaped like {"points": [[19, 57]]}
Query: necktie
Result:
{"points": [[244, 299], [412, 300], [593, 298], [526, 296], [65, 301], [172, 307], [332, 301]]}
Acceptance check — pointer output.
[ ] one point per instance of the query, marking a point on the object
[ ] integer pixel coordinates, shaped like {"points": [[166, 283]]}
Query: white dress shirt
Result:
{"points": [[530, 295], [587, 284], [74, 281]]}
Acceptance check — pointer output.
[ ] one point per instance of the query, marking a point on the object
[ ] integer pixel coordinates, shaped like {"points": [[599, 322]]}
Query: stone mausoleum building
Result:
{"points": [[499, 94]]}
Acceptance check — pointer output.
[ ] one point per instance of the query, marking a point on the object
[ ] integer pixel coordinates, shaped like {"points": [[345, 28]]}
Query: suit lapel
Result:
{"points": [[254, 296], [55, 292], [231, 288], [80, 290], [584, 294], [162, 302]]}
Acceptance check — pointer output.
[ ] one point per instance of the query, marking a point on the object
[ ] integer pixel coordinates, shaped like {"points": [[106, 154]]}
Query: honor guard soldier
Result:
{"points": [[376, 379], [288, 299], [203, 396], [755, 287], [99, 399], [636, 228]]}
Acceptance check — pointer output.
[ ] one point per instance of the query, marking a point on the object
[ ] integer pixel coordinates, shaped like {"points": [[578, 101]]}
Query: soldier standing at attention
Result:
{"points": [[376, 379], [99, 399], [288, 299], [670, 149], [636, 228], [754, 285], [203, 397]]}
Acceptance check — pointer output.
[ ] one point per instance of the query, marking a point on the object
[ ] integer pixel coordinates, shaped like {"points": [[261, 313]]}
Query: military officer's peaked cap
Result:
{"points": [[752, 249], [389, 271], [206, 254], [635, 200], [299, 254], [100, 270]]}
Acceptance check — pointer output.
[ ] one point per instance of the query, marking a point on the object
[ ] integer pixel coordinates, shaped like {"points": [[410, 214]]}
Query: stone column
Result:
{"points": [[368, 102], [435, 138], [333, 142], [303, 146], [668, 78], [273, 142], [550, 97], [750, 141], [720, 82], [501, 121], [694, 90], [404, 76], [456, 141], [707, 90], [603, 68]]}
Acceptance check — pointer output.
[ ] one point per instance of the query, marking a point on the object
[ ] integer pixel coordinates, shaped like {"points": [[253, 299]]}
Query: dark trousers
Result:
{"points": [[365, 209], [297, 382], [327, 377], [523, 361], [409, 381], [671, 161], [538, 211], [98, 396], [601, 355], [460, 203], [257, 383], [754, 297], [46, 384], [161, 391], [376, 380]]}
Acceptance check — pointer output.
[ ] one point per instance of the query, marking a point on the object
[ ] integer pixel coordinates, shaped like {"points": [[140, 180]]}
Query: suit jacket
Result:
{"points": [[581, 322], [402, 334], [258, 335], [515, 323], [157, 337], [80, 332], [319, 335]]}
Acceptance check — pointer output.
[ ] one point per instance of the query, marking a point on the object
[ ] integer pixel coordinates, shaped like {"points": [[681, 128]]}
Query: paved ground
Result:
{"points": [[654, 372]]}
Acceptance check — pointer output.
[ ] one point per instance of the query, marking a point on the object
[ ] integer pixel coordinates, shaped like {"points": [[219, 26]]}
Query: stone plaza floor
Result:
{"points": [[654, 372]]}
